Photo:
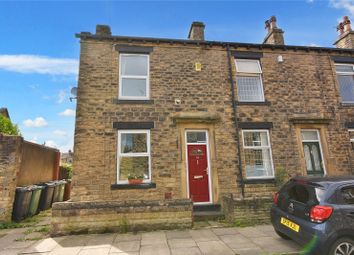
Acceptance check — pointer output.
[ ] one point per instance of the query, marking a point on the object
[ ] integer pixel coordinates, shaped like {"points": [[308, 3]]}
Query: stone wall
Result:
{"points": [[10, 161], [121, 216], [300, 92], [247, 211], [22, 163]]}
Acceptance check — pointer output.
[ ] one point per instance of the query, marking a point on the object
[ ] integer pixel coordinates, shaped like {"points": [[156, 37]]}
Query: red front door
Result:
{"points": [[198, 172]]}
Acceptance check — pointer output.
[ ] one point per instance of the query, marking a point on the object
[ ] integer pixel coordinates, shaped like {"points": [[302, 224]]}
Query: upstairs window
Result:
{"points": [[134, 76], [345, 76], [249, 80]]}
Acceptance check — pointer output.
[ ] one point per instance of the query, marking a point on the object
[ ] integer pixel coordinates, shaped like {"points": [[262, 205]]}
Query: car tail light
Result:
{"points": [[275, 198], [320, 213]]}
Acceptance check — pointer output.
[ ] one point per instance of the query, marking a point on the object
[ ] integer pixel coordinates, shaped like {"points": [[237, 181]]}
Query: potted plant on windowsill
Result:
{"points": [[135, 179]]}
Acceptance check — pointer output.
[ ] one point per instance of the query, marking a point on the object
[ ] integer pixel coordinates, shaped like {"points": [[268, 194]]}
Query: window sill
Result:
{"points": [[130, 101], [259, 181], [150, 185], [265, 103], [347, 104]]}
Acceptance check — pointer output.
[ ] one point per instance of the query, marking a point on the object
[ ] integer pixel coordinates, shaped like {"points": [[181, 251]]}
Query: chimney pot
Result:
{"points": [[346, 34], [275, 34], [103, 30], [196, 32]]}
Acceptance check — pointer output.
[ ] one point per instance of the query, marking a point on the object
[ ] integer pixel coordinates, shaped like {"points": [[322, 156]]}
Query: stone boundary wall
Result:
{"points": [[10, 162], [246, 211], [120, 216], [23, 163]]}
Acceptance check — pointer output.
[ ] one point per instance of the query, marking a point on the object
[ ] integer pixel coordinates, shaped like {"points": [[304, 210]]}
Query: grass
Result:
{"points": [[28, 222]]}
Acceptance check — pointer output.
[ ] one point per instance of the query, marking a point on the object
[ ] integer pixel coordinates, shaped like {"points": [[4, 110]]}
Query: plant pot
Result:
{"points": [[135, 181]]}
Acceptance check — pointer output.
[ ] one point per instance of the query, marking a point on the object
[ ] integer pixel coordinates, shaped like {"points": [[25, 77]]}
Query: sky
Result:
{"points": [[39, 54]]}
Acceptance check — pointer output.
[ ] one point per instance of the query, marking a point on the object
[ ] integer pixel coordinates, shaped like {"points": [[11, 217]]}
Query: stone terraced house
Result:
{"points": [[209, 126]]}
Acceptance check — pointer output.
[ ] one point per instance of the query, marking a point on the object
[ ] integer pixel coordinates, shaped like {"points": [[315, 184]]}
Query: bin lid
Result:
{"points": [[23, 189]]}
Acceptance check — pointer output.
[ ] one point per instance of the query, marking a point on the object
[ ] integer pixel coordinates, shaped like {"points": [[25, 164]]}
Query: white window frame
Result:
{"points": [[147, 77], [347, 74], [133, 154], [313, 141], [259, 147], [250, 74], [351, 139]]}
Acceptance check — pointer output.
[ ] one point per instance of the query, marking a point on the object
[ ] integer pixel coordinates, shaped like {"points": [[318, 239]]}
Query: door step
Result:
{"points": [[207, 212]]}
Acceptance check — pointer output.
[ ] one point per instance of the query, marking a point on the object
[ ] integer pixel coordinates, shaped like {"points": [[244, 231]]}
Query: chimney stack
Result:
{"points": [[196, 32], [103, 30], [346, 35], [275, 34]]}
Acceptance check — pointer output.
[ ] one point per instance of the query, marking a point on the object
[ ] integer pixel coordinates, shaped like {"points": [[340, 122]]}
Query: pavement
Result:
{"points": [[211, 240]]}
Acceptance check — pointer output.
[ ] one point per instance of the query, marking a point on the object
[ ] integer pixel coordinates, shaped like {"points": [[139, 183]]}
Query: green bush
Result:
{"points": [[7, 127], [66, 171]]}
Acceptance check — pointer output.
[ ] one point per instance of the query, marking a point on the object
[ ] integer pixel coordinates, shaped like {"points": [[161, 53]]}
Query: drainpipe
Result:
{"points": [[234, 107]]}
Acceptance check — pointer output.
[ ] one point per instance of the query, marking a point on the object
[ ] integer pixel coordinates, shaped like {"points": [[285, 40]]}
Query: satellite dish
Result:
{"points": [[74, 91]]}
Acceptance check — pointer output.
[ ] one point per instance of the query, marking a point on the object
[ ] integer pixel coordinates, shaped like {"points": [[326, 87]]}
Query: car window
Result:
{"points": [[299, 193], [348, 195]]}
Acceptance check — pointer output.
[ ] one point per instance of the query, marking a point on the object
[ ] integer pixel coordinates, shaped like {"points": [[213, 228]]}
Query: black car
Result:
{"points": [[317, 213]]}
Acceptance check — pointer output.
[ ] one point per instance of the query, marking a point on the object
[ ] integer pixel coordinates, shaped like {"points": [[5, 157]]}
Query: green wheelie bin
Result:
{"points": [[21, 203], [34, 202], [61, 190], [47, 196]]}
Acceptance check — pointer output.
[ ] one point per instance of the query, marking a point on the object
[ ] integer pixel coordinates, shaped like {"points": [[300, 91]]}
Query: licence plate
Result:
{"points": [[290, 224]]}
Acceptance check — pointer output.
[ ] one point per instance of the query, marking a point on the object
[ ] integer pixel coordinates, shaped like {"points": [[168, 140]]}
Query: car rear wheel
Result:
{"points": [[282, 235], [343, 246]]}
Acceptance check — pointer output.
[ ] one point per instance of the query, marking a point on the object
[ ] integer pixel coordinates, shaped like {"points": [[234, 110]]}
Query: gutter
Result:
{"points": [[132, 39], [234, 107]]}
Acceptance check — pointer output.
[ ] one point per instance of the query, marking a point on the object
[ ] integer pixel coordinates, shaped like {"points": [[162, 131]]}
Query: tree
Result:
{"points": [[7, 127]]}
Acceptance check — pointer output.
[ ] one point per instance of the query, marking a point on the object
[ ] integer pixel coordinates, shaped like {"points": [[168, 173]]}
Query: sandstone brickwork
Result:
{"points": [[301, 92], [10, 162]]}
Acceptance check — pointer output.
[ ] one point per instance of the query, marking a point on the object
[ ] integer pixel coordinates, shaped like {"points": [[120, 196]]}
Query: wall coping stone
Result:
{"points": [[129, 204]]}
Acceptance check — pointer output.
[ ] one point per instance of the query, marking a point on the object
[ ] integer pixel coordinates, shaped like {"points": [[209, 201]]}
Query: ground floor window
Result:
{"points": [[312, 152], [257, 154], [133, 159], [351, 137]]}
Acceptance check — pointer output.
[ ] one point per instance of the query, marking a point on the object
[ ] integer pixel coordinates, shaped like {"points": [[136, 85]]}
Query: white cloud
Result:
{"points": [[348, 5], [59, 132], [314, 45], [67, 113], [50, 143], [61, 96], [310, 1], [37, 122], [39, 64]]}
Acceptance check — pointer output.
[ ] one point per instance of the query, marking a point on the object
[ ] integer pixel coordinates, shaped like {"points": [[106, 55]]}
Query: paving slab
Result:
{"points": [[160, 249], [214, 247], [250, 251], [251, 232], [65, 250], [186, 251], [178, 234], [128, 246], [234, 239], [203, 235], [100, 241], [127, 237], [45, 245], [225, 231], [181, 243], [153, 238], [95, 251]]}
